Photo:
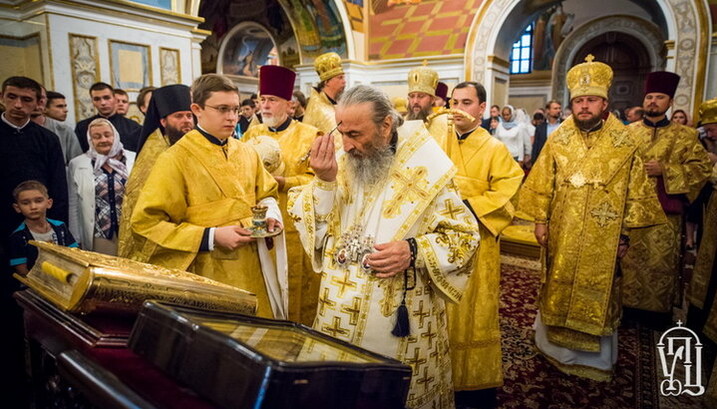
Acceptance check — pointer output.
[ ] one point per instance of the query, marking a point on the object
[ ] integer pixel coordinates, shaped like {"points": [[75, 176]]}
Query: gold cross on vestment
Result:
{"points": [[604, 214], [430, 335], [415, 361], [451, 211], [408, 185], [353, 311], [421, 314], [425, 380], [343, 283], [335, 328], [324, 301]]}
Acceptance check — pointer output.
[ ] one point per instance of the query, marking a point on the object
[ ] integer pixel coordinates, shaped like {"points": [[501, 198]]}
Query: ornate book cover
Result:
{"points": [[81, 281]]}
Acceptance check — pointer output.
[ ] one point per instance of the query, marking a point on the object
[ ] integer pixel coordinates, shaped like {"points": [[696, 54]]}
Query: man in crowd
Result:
{"points": [[320, 109], [543, 130], [104, 101], [634, 114], [195, 207], [678, 164], [295, 139], [441, 96], [121, 100], [168, 118], [68, 140], [143, 98], [56, 106], [385, 226], [487, 179], [585, 191], [27, 152], [494, 113], [298, 102]]}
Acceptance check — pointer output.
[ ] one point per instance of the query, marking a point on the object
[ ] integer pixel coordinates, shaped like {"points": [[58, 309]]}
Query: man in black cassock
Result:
{"points": [[27, 151], [103, 99]]}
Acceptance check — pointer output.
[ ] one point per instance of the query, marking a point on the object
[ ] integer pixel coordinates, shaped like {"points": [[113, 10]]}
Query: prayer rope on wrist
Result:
{"points": [[414, 251]]}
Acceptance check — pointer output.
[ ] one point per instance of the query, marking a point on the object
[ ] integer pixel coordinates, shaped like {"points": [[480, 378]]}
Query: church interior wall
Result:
{"points": [[21, 56]]}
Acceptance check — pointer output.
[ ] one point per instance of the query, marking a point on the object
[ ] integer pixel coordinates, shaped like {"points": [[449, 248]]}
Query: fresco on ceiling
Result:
{"points": [[319, 28]]}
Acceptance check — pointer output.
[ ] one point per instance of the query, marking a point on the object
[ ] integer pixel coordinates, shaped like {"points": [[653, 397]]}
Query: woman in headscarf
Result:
{"points": [[96, 188], [514, 134]]}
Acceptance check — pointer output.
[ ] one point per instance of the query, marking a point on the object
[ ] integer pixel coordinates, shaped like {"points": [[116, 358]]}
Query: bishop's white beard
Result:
{"points": [[371, 168]]}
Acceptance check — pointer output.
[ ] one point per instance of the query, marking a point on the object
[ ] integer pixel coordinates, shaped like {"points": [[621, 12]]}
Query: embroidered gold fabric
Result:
{"points": [[588, 196]]}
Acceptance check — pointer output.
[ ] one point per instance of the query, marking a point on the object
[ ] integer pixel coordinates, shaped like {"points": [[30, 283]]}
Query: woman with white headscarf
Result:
{"points": [[96, 188], [514, 135]]}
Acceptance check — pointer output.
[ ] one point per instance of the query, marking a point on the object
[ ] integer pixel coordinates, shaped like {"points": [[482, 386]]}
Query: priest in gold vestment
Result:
{"points": [[320, 110], [195, 208], [385, 227], [167, 119], [422, 84], [295, 139], [677, 162], [587, 188], [487, 179]]}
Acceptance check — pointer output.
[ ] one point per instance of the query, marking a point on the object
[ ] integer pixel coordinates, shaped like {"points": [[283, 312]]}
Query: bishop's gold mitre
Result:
{"points": [[422, 79], [589, 78], [708, 112], [328, 66]]}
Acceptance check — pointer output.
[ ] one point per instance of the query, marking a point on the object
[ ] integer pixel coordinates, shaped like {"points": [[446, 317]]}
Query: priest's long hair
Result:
{"points": [[382, 106]]}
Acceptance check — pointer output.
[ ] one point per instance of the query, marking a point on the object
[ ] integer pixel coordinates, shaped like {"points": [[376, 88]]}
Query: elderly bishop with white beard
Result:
{"points": [[386, 228]]}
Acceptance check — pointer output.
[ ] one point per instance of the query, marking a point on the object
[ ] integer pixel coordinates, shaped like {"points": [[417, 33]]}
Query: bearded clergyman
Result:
{"points": [[387, 230], [586, 190]]}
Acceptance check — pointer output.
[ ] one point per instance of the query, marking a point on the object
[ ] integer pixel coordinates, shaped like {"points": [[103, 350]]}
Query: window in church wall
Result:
{"points": [[521, 56]]}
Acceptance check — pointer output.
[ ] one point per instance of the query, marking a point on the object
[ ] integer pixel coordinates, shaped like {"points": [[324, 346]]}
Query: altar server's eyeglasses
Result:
{"points": [[224, 109]]}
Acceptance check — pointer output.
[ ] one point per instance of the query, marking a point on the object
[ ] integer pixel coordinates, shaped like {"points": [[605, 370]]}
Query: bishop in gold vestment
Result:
{"points": [[295, 139], [344, 223], [487, 179], [587, 188]]}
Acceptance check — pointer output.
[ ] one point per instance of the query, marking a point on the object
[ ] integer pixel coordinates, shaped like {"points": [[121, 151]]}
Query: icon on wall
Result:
{"points": [[247, 47], [131, 65]]}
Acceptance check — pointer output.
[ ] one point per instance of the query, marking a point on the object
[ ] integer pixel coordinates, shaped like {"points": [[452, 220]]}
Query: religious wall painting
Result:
{"points": [[170, 66], [85, 71], [130, 65], [355, 10], [223, 16], [551, 28], [22, 56], [247, 47]]}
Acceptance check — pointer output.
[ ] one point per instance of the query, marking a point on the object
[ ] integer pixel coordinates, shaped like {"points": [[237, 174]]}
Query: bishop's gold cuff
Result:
{"points": [[323, 185]]}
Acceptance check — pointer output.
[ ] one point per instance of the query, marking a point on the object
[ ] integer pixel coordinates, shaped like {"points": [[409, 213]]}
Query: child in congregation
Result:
{"points": [[32, 200]]}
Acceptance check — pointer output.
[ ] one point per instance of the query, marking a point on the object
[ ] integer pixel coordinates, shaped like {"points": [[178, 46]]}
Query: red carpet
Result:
{"points": [[531, 382]]}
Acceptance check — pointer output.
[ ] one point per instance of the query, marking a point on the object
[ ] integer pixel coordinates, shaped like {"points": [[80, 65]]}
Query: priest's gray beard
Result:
{"points": [[272, 121], [422, 114], [370, 168]]}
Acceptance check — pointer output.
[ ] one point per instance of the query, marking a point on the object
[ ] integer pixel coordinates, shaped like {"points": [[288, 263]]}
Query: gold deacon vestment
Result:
{"points": [[196, 184], [321, 113], [130, 243], [651, 266], [295, 142], [705, 268], [417, 199], [487, 179], [589, 188]]}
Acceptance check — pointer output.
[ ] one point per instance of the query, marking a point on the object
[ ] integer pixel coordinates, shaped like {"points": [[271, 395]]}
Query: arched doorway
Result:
{"points": [[630, 62]]}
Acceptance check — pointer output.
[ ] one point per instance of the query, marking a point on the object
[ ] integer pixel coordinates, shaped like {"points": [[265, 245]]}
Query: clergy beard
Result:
{"points": [[588, 124], [370, 168], [422, 114], [654, 113], [272, 121], [173, 134]]}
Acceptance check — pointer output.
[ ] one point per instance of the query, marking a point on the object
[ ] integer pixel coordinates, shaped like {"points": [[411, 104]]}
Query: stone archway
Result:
{"points": [[688, 32], [647, 33]]}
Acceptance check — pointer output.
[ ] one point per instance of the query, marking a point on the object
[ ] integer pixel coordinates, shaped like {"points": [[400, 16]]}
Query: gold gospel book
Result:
{"points": [[80, 281]]}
